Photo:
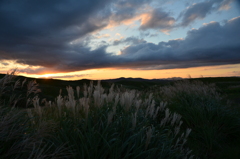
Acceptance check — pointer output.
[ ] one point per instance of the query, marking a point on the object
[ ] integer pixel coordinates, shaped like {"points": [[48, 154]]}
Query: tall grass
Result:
{"points": [[91, 122], [17, 137], [189, 120], [215, 125]]}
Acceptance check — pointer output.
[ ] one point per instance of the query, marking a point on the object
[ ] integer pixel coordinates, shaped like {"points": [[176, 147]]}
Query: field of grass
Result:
{"points": [[121, 118]]}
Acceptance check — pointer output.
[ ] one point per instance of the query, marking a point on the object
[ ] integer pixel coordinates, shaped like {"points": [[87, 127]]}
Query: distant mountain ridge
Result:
{"points": [[107, 80]]}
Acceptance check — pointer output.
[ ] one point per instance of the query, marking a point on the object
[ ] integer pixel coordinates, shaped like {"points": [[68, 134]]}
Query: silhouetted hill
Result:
{"points": [[50, 87]]}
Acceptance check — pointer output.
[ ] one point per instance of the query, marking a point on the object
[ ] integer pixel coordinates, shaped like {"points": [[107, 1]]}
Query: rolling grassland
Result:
{"points": [[124, 118]]}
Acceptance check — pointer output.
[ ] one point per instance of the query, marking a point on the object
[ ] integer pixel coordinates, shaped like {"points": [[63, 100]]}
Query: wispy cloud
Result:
{"points": [[4, 63], [70, 76]]}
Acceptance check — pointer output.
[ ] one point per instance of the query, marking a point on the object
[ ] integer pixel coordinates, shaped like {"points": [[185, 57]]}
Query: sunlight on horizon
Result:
{"points": [[111, 73]]}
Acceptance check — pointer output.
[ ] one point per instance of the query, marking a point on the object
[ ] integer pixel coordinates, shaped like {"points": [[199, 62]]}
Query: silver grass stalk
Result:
{"points": [[23, 82], [85, 92], [156, 112], [50, 103], [17, 84], [71, 103], [149, 136], [90, 89], [116, 100], [126, 99], [78, 90], [175, 118], [134, 120], [152, 109], [97, 98], [59, 104], [166, 118], [149, 100], [137, 104], [177, 128], [37, 107], [111, 94], [162, 106], [188, 131], [84, 103], [32, 87], [110, 117]]}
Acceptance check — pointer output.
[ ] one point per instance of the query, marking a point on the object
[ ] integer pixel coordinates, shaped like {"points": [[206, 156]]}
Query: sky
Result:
{"points": [[106, 39]]}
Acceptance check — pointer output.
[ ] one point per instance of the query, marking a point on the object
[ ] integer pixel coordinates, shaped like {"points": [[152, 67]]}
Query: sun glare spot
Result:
{"points": [[45, 76]]}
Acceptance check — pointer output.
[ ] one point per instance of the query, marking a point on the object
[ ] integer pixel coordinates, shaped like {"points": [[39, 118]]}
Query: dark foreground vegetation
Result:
{"points": [[121, 118]]}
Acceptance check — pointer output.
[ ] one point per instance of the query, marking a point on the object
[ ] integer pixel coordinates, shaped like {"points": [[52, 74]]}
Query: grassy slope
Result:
{"points": [[218, 125], [104, 127], [229, 86]]}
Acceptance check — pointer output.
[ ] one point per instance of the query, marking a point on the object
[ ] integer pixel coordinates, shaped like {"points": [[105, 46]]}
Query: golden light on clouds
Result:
{"points": [[100, 74], [111, 73]]}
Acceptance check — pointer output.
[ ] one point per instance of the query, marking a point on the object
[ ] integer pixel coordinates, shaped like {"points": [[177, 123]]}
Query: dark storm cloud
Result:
{"points": [[40, 20], [201, 10], [39, 32], [158, 19], [212, 44]]}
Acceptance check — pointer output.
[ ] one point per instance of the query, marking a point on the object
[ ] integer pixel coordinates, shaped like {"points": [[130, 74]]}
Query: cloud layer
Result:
{"points": [[55, 35]]}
